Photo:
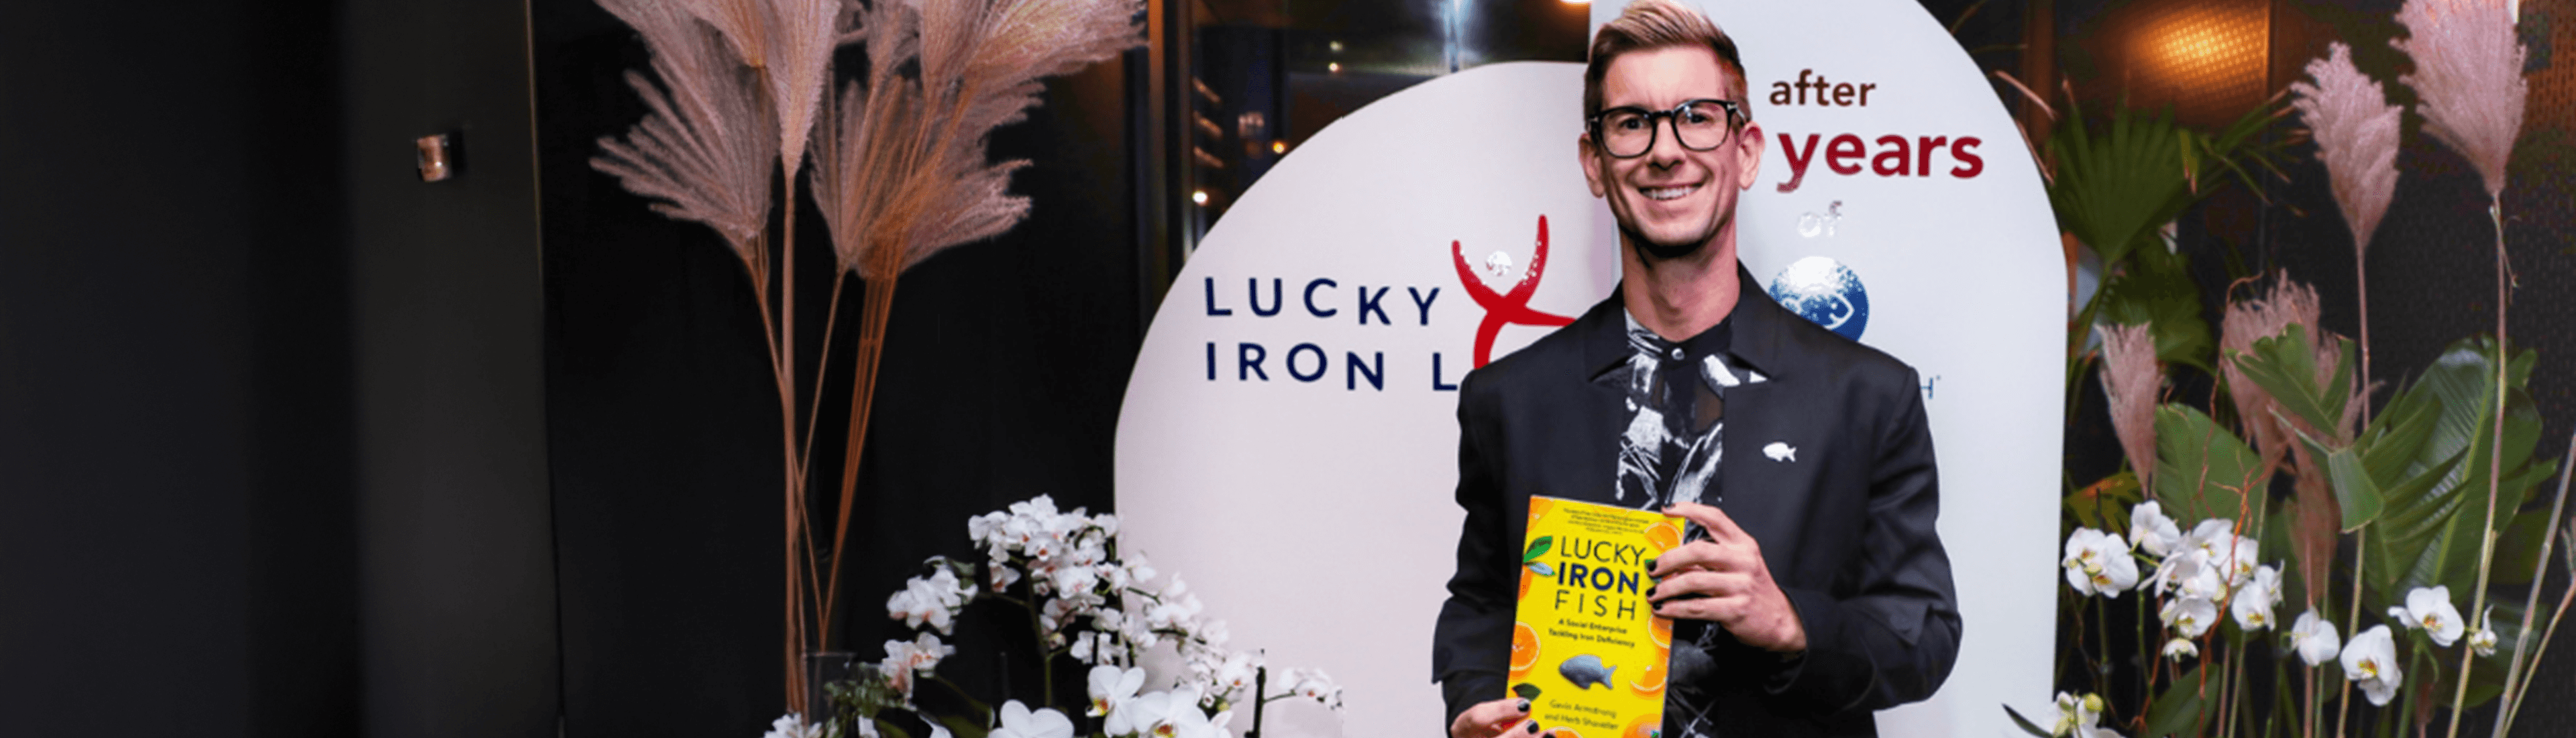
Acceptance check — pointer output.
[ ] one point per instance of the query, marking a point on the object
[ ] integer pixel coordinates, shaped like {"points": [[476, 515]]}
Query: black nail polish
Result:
{"points": [[1654, 562], [1524, 706], [1533, 727]]}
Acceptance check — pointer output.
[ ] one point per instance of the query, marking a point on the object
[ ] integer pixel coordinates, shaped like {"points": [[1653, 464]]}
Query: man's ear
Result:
{"points": [[1749, 155], [1591, 164]]}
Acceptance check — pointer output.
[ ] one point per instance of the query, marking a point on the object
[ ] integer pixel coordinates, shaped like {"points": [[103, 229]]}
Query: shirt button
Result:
{"points": [[1677, 354]]}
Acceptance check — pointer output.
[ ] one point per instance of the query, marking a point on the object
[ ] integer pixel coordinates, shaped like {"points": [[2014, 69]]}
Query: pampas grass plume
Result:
{"points": [[704, 146], [904, 174], [2356, 134], [2468, 70], [2132, 380], [791, 41], [2245, 322]]}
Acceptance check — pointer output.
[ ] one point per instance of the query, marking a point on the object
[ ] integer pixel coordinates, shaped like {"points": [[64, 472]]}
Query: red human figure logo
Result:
{"points": [[1510, 308]]}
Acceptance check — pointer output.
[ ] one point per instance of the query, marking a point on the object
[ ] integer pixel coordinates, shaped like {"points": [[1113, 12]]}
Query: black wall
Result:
{"points": [[270, 444], [175, 454], [456, 540]]}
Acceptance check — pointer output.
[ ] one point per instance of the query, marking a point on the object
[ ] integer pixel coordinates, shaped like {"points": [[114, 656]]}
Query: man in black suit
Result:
{"points": [[1813, 589]]}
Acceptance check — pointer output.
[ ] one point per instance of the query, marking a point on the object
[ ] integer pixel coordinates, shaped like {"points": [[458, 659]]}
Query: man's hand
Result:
{"points": [[1508, 717], [1733, 586]]}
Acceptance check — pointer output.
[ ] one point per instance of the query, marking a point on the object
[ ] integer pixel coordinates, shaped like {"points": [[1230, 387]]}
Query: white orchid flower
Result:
{"points": [[1216, 726], [2252, 603], [2151, 530], [2076, 715], [2189, 616], [1075, 579], [936, 731], [792, 725], [2098, 563], [934, 600], [2242, 563], [985, 528], [2221, 547], [897, 667], [2193, 569], [1112, 689], [2483, 638], [2173, 570], [2370, 662], [1236, 674], [2430, 608], [1164, 714], [2181, 648], [906, 659], [1019, 722], [2211, 537], [2314, 638], [925, 652], [1315, 685], [2204, 583]]}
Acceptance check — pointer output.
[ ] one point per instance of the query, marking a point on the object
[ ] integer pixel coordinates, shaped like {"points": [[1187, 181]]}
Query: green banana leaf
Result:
{"points": [[2285, 366], [2202, 469], [2186, 706], [2430, 534]]}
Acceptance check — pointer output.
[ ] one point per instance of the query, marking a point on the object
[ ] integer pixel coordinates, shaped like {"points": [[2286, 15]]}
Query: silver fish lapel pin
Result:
{"points": [[1779, 451]]}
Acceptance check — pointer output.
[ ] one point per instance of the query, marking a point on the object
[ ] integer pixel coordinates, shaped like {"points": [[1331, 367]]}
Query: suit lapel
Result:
{"points": [[1750, 481], [1603, 416], [1758, 414]]}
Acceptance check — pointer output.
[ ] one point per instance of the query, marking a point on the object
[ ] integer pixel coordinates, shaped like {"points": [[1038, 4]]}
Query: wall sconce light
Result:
{"points": [[440, 156]]}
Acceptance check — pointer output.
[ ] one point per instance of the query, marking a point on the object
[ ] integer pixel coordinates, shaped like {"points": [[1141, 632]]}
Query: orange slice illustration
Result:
{"points": [[1526, 576], [1538, 507], [1665, 535], [1524, 649], [1564, 733], [1661, 629], [1648, 726], [1648, 683]]}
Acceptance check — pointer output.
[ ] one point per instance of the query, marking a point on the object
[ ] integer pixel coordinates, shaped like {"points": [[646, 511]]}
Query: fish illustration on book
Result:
{"points": [[1586, 670]]}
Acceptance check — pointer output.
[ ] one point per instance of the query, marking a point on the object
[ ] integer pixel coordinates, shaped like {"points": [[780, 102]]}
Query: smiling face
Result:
{"points": [[1671, 201]]}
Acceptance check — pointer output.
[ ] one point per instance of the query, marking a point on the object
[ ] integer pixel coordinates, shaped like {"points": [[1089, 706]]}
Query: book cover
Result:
{"points": [[1588, 651]]}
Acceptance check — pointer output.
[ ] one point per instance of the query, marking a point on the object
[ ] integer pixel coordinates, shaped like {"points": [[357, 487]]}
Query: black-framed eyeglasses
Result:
{"points": [[1700, 125]]}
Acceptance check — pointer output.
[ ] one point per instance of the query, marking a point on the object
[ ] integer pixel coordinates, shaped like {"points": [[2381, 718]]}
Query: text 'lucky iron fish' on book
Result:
{"points": [[1588, 651]]}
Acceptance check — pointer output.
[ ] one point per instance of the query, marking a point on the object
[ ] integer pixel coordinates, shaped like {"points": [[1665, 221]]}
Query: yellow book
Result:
{"points": [[1588, 651]]}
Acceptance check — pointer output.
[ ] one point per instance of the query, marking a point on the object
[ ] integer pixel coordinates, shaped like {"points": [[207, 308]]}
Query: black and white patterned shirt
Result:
{"points": [[1668, 453]]}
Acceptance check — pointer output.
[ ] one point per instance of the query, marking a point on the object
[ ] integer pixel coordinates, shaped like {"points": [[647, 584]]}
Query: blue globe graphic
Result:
{"points": [[1823, 290]]}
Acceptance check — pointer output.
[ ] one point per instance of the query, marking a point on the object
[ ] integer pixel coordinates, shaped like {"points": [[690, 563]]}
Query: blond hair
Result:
{"points": [[1646, 25]]}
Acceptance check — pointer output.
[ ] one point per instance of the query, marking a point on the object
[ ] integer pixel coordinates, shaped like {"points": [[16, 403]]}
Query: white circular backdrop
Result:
{"points": [[1294, 457]]}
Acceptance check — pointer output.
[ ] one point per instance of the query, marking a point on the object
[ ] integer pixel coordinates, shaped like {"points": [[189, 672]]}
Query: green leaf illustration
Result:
{"points": [[1526, 690], [1541, 568], [1538, 548]]}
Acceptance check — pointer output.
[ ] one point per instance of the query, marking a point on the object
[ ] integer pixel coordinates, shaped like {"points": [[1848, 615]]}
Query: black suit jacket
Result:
{"points": [[1846, 526]]}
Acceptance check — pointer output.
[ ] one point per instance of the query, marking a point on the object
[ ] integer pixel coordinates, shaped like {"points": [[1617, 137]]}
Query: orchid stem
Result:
{"points": [[2352, 621], [2531, 605], [2565, 598]]}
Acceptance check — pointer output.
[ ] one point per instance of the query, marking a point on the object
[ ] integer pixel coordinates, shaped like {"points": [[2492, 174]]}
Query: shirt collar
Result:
{"points": [[1644, 340], [1751, 331]]}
